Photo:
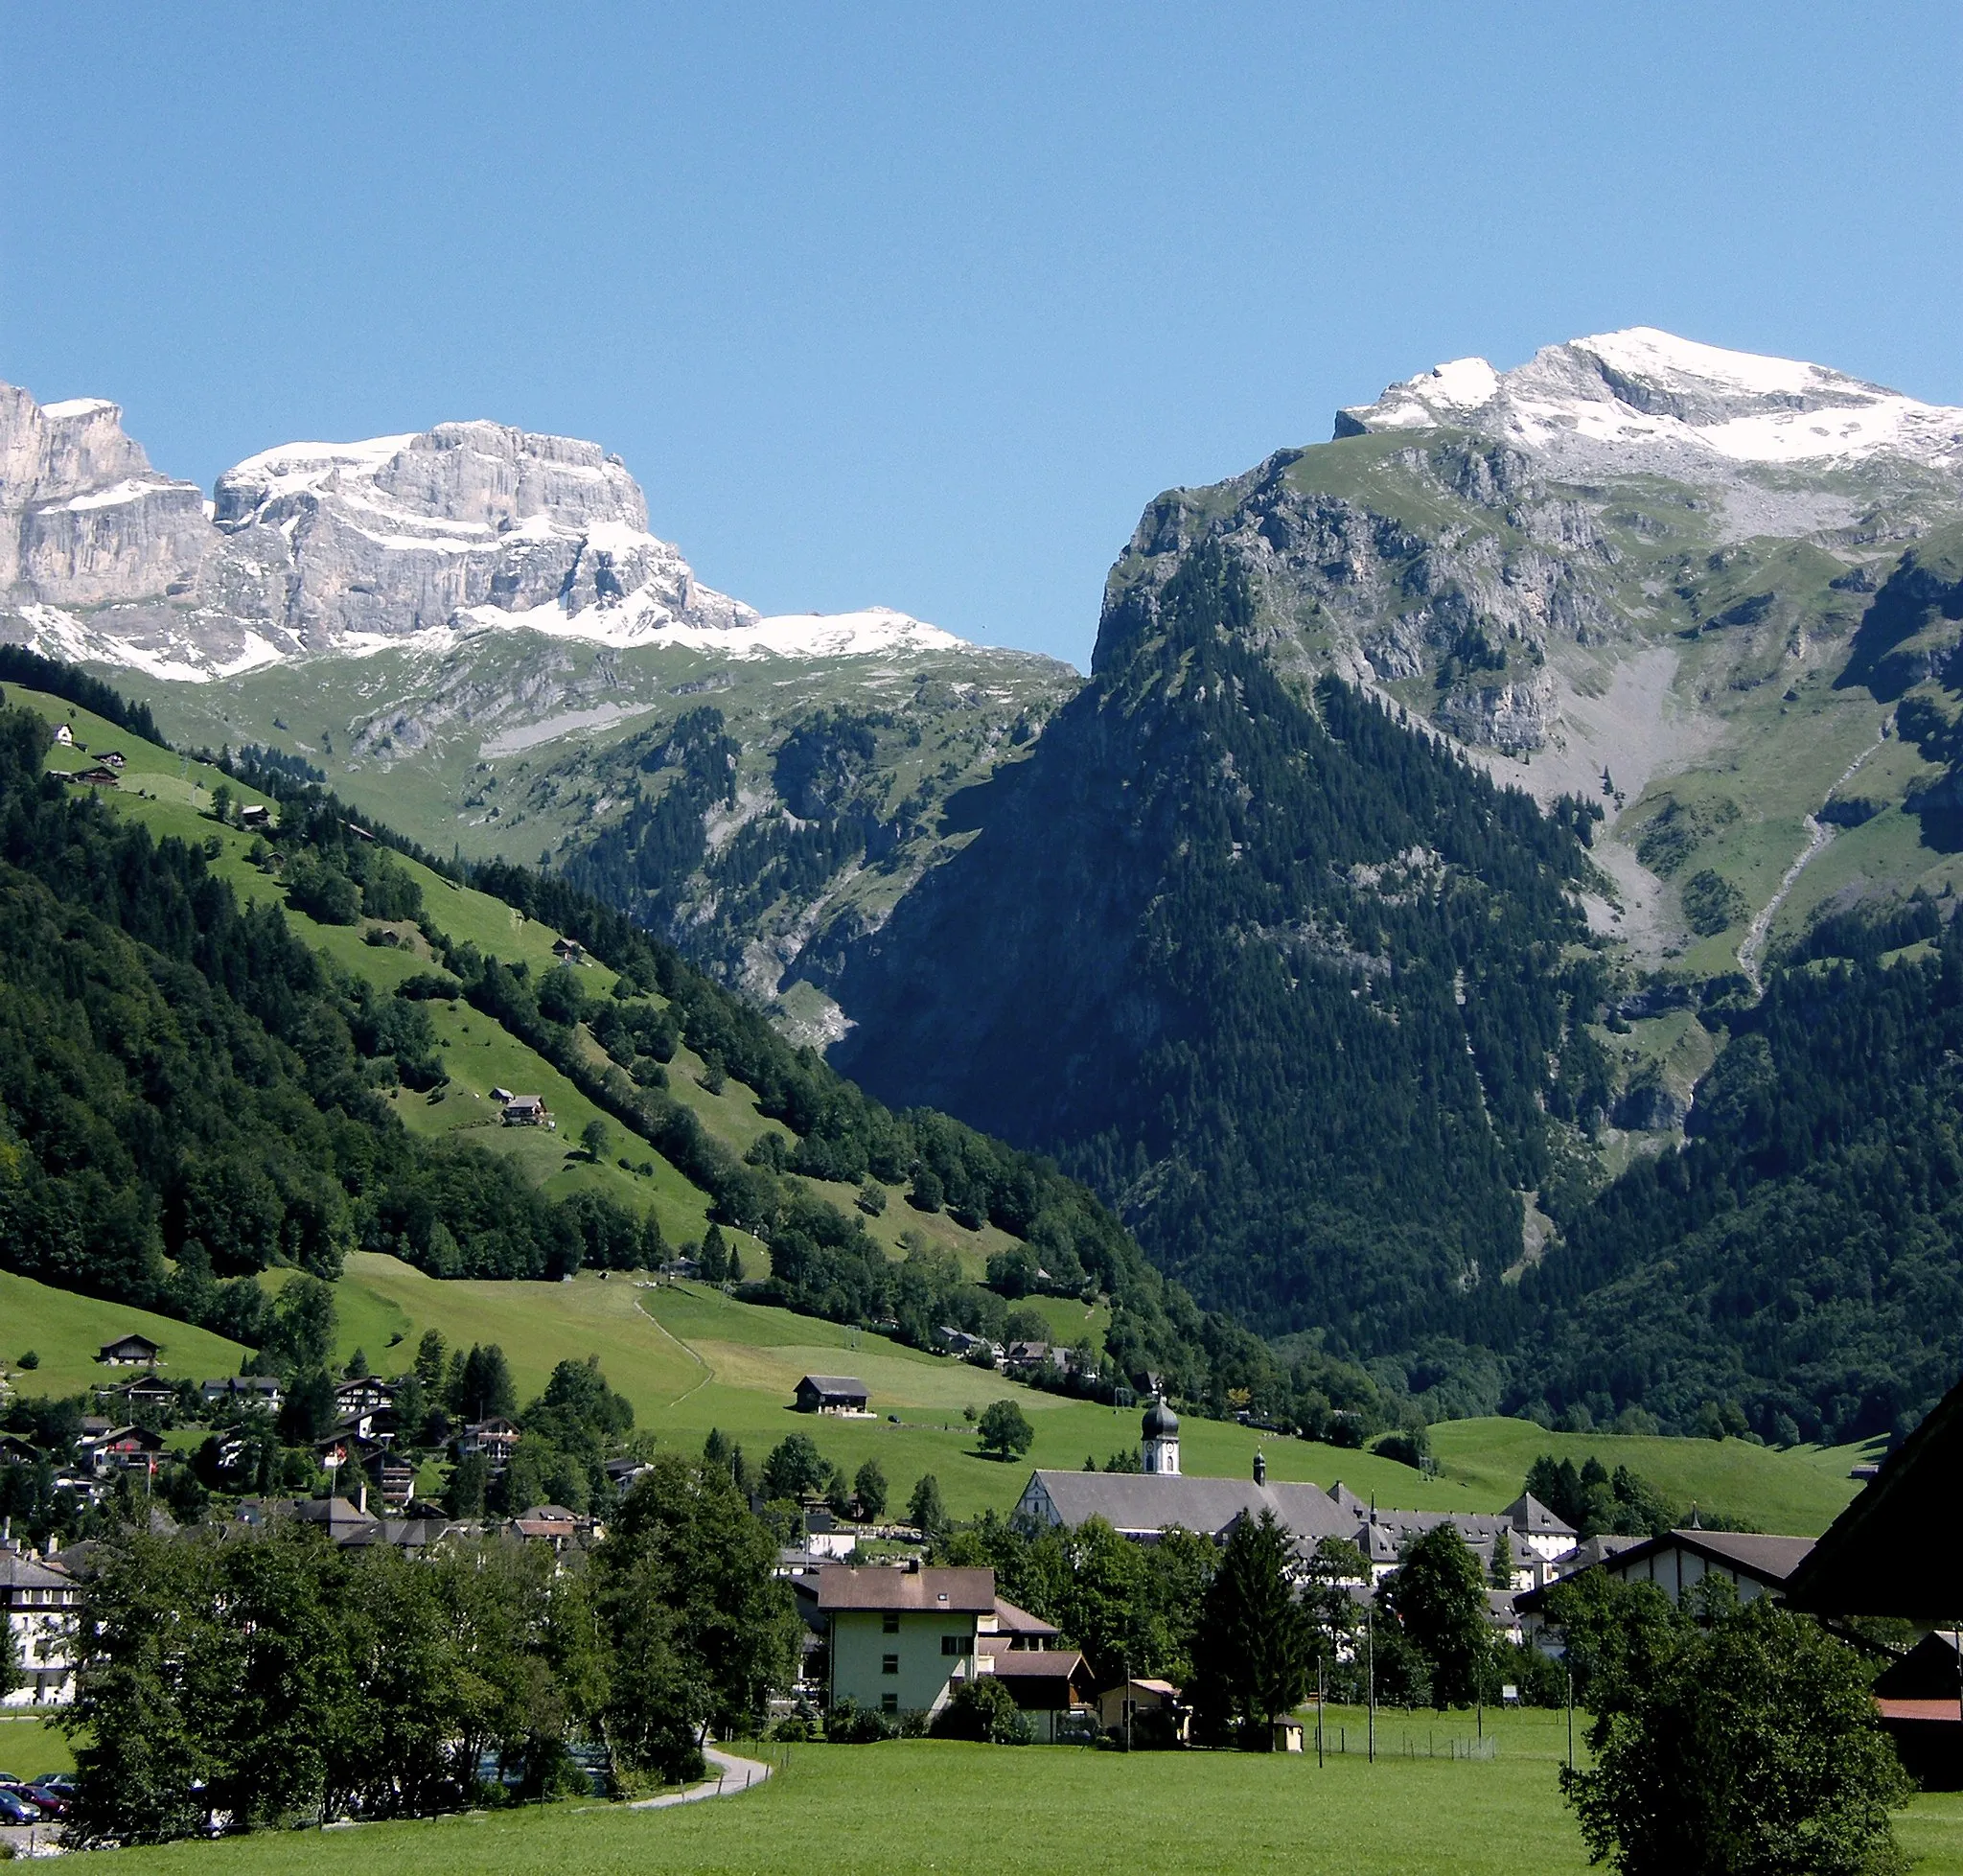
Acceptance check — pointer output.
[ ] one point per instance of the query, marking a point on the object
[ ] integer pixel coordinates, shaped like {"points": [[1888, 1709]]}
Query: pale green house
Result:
{"points": [[903, 1639]]}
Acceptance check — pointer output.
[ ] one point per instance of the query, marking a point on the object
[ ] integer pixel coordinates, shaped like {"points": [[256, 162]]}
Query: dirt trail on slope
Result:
{"points": [[1817, 835]]}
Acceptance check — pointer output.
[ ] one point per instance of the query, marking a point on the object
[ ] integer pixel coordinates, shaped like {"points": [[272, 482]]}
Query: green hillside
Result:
{"points": [[65, 1330]]}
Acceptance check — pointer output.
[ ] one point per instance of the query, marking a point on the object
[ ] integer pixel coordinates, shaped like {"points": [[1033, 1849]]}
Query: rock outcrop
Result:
{"points": [[322, 548]]}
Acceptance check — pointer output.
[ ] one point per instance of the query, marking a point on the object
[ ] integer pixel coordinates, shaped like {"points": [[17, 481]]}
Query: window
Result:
{"points": [[888, 1664], [888, 1703], [889, 1622], [953, 1644]]}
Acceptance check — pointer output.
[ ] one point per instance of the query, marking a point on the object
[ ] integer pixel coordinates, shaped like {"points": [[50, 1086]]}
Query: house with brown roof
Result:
{"points": [[527, 1111], [131, 1351], [831, 1394], [902, 1638]]}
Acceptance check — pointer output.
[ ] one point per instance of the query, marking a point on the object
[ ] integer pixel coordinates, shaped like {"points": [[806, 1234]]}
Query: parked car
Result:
{"points": [[15, 1810], [46, 1798]]}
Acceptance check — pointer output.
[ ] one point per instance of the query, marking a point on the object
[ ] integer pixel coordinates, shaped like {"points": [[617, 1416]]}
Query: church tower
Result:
{"points": [[1159, 1445]]}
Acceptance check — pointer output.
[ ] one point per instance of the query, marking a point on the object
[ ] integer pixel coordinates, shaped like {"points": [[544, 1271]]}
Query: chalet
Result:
{"points": [[131, 1351], [40, 1600], [902, 1639], [95, 777], [950, 1340], [554, 1525], [360, 1402], [120, 1448], [1754, 1562], [64, 736], [568, 951], [262, 1391], [151, 1390], [1918, 1700], [111, 758], [495, 1439], [255, 818], [527, 1111], [831, 1394], [1048, 1684]]}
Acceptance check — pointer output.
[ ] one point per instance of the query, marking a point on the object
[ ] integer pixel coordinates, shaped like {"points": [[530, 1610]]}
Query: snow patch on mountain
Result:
{"points": [[1649, 397]]}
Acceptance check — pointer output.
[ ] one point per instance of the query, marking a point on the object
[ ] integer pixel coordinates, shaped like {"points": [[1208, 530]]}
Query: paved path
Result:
{"points": [[732, 1776]]}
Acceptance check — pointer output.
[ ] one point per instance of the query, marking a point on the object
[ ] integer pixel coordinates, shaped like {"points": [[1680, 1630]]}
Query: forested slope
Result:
{"points": [[200, 1079], [1300, 991]]}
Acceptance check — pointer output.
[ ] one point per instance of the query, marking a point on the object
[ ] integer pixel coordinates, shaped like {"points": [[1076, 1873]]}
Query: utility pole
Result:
{"points": [[1369, 1642], [1129, 1701], [1322, 1700], [1571, 1719]]}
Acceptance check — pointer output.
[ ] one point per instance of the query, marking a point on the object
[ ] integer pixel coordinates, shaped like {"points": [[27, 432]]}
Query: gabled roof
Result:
{"points": [[1768, 1558], [845, 1384], [1909, 1514], [928, 1591], [1039, 1664], [135, 1338], [1011, 1620]]}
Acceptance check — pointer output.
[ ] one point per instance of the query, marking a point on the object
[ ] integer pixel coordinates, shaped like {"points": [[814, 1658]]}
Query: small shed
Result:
{"points": [[1286, 1736], [831, 1394], [131, 1351]]}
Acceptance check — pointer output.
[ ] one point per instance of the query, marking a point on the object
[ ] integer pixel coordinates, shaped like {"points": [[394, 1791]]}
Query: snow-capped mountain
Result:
{"points": [[1650, 399], [314, 548]]}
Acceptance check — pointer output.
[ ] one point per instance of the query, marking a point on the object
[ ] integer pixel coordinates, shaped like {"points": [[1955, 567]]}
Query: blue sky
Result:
{"points": [[920, 305]]}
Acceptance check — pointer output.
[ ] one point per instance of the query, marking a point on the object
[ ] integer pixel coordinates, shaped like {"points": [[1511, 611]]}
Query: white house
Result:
{"points": [[40, 1599]]}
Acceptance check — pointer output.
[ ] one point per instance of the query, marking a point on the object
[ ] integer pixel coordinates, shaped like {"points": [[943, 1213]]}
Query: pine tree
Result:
{"points": [[1254, 1646]]}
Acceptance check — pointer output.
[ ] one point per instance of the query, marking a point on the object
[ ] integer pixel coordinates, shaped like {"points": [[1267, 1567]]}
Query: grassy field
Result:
{"points": [[690, 1358], [32, 1748], [65, 1330], [909, 1806]]}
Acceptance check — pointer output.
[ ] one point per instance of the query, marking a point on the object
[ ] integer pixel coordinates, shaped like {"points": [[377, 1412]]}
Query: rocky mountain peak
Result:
{"points": [[1650, 400], [313, 549]]}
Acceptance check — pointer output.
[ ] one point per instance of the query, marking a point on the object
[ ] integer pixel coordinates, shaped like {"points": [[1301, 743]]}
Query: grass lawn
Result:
{"points": [[65, 1330], [32, 1748], [918, 1805]]}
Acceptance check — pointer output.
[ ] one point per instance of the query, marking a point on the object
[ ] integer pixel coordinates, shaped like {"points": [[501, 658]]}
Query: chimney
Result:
{"points": [[361, 1504], [1260, 1466]]}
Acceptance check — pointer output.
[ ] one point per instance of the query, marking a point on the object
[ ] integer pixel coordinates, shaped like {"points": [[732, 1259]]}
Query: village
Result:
{"points": [[897, 1640]]}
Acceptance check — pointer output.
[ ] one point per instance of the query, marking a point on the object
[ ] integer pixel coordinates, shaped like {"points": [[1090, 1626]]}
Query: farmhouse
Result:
{"points": [[495, 1440], [145, 1391], [902, 1639], [831, 1394], [120, 1448], [64, 736], [260, 1391], [39, 1599], [527, 1111], [568, 951], [253, 817], [131, 1351]]}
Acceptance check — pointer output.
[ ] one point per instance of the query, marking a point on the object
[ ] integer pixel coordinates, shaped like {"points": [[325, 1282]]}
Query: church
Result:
{"points": [[1145, 1505]]}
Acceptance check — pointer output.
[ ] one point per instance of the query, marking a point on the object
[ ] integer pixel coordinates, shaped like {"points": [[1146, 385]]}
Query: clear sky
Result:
{"points": [[919, 306]]}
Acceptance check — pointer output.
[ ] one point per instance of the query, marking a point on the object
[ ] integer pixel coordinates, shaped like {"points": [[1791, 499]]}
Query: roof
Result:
{"points": [[1039, 1664], [133, 1336], [1155, 1501], [1771, 1560], [1908, 1513], [17, 1572], [1907, 1709], [835, 1384], [929, 1592], [1013, 1621], [1528, 1514]]}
